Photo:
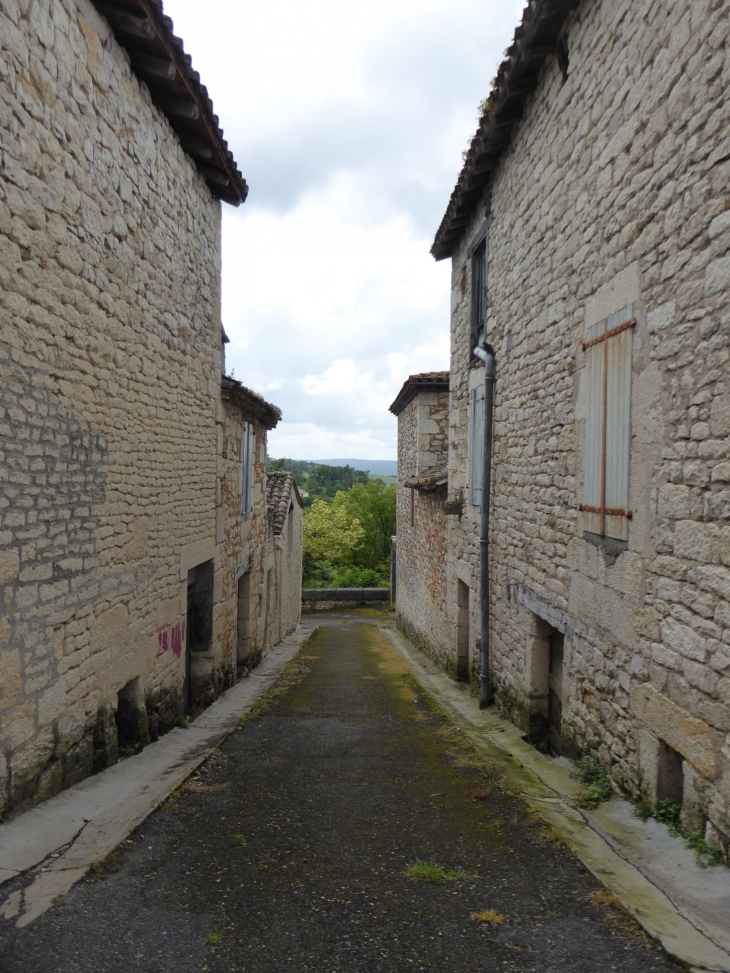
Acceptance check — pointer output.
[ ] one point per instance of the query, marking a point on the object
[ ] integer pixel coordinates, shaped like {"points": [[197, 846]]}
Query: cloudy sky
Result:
{"points": [[348, 122]]}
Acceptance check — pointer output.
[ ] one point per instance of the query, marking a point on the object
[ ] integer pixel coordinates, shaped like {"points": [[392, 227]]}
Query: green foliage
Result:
{"points": [[319, 481], [373, 505], [330, 534], [239, 841], [668, 812], [643, 809], [214, 938], [318, 574], [431, 872], [596, 782], [356, 577], [707, 853]]}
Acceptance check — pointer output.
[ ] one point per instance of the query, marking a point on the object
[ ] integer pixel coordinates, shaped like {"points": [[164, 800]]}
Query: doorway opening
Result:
{"points": [[670, 775], [243, 628], [199, 627], [131, 717], [555, 691], [462, 632], [545, 685]]}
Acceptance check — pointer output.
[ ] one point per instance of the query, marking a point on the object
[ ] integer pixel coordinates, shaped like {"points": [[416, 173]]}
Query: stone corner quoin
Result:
{"points": [[597, 191], [145, 562]]}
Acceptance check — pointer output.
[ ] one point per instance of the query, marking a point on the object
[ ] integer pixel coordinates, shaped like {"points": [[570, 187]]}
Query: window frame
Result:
{"points": [[478, 257]]}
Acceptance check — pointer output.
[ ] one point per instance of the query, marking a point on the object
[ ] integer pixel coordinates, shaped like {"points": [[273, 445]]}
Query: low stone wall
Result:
{"points": [[319, 599]]}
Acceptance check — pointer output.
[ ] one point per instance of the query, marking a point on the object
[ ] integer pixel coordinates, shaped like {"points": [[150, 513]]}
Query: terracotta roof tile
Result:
{"points": [[280, 492]]}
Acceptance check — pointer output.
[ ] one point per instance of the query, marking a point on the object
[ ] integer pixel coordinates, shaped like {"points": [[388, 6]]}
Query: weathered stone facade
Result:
{"points": [[112, 470], [606, 192], [283, 583], [422, 408]]}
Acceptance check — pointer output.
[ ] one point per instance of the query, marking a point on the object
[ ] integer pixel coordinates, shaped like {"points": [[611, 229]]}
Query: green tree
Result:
{"points": [[372, 504], [330, 533]]}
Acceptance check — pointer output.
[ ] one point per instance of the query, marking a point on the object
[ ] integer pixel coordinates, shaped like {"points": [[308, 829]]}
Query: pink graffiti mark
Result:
{"points": [[172, 638]]}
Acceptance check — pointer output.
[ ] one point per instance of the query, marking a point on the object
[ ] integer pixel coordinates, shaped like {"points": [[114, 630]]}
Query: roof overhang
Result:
{"points": [[249, 402], [423, 382], [159, 60], [535, 39]]}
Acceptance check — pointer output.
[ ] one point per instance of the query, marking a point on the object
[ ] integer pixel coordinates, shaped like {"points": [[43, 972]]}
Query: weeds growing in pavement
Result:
{"points": [[431, 872], [239, 841], [596, 782], [489, 916], [707, 853], [214, 938]]}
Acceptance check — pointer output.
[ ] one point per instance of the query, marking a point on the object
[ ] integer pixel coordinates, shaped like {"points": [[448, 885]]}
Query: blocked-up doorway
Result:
{"points": [[545, 685], [199, 628], [243, 628], [462, 631]]}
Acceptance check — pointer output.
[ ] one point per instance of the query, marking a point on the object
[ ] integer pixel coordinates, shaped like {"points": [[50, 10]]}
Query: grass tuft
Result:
{"points": [[214, 938], [431, 872], [489, 916], [239, 841]]}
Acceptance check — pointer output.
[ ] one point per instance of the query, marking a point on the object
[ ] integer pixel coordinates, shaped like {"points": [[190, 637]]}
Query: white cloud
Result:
{"points": [[348, 123]]}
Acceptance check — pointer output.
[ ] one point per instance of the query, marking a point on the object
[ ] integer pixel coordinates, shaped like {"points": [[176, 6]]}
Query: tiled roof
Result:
{"points": [[280, 490], [158, 58], [435, 381], [250, 403], [431, 479], [537, 37]]}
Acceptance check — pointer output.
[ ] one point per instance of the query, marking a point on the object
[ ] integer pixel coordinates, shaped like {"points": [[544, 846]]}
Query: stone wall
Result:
{"points": [[421, 526], [110, 378], [613, 192]]}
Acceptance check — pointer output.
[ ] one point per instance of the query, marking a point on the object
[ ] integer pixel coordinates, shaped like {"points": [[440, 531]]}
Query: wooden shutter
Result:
{"points": [[475, 445], [608, 346], [247, 465]]}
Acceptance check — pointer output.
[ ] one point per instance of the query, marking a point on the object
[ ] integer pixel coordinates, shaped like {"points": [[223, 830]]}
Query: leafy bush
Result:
{"points": [[358, 578], [318, 574], [595, 780]]}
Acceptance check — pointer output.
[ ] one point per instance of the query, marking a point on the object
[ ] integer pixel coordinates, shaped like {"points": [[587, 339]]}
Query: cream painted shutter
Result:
{"points": [[608, 425]]}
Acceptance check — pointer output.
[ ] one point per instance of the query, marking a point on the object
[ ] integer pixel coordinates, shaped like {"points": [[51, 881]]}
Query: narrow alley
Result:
{"points": [[292, 849]]}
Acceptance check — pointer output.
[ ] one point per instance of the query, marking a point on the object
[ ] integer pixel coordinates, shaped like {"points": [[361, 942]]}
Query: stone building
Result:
{"points": [[120, 508], [283, 582], [422, 408], [589, 234]]}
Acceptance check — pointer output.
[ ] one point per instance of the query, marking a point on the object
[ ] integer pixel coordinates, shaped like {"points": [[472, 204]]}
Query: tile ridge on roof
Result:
{"points": [[535, 38], [159, 59]]}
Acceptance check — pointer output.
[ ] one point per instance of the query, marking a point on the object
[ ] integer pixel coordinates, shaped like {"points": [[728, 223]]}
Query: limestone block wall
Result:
{"points": [[289, 556], [614, 192], [421, 527], [243, 542], [109, 379]]}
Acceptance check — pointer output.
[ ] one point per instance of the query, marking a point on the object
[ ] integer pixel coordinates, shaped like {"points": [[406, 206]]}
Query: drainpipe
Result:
{"points": [[485, 689]]}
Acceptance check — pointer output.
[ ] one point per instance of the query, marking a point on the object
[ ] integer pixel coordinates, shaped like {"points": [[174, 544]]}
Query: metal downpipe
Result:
{"points": [[485, 686]]}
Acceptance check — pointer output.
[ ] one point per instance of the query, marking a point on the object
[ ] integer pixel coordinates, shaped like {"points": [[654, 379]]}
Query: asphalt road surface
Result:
{"points": [[293, 850]]}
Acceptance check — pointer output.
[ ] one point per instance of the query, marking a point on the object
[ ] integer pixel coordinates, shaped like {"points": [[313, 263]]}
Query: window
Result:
{"points": [[479, 293], [608, 425], [247, 453], [475, 445]]}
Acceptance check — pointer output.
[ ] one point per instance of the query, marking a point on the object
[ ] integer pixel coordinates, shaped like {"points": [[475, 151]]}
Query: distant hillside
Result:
{"points": [[378, 467]]}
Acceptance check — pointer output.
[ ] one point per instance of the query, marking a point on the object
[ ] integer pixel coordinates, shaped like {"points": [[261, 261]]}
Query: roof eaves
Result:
{"points": [[159, 59], [534, 40], [250, 402], [415, 384]]}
